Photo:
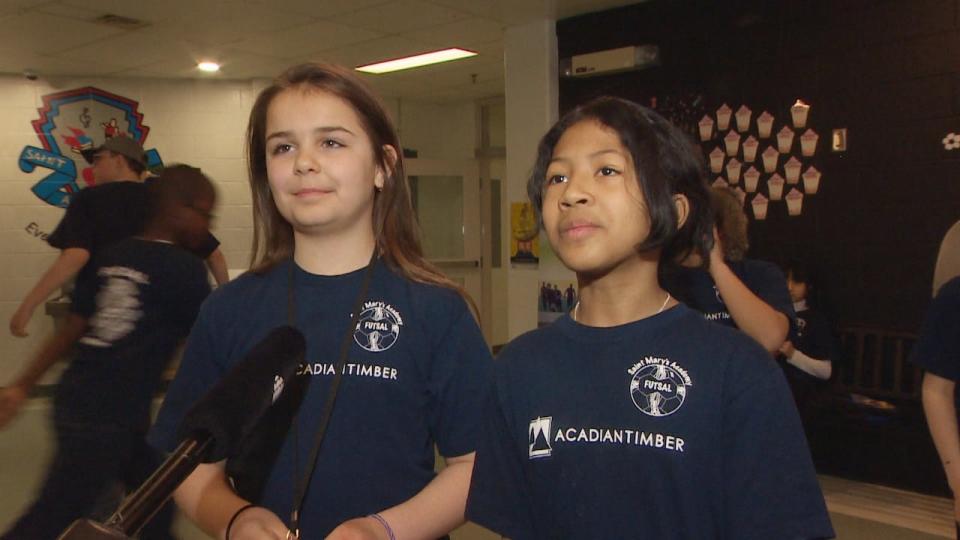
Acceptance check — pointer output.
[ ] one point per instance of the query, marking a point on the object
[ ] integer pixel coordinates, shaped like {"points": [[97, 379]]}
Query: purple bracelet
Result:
{"points": [[386, 525]]}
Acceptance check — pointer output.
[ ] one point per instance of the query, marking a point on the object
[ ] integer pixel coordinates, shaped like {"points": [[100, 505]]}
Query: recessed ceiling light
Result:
{"points": [[417, 60], [209, 67]]}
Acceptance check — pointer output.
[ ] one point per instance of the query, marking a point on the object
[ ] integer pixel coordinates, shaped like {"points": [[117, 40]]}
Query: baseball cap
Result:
{"points": [[125, 146]]}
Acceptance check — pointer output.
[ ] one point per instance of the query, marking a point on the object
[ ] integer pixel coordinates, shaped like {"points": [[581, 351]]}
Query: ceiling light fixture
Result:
{"points": [[417, 60], [209, 67]]}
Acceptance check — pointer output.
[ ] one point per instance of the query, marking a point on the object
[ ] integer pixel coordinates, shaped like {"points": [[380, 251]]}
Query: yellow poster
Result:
{"points": [[524, 234]]}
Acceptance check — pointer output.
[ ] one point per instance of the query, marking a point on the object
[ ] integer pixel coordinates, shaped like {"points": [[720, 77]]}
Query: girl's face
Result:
{"points": [[798, 289], [593, 210], [320, 162]]}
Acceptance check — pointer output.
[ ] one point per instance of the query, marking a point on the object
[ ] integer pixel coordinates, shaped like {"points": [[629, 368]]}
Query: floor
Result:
{"points": [[859, 511]]}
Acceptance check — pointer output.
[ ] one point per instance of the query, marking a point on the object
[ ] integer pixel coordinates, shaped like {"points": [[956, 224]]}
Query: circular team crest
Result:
{"points": [[658, 389], [378, 327]]}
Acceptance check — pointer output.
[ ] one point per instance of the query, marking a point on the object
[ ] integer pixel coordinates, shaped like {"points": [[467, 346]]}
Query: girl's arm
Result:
{"points": [[432, 513], [941, 413], [753, 316], [209, 501], [820, 369]]}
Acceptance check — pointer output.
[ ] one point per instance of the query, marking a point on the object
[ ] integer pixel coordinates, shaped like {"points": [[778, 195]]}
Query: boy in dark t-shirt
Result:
{"points": [[114, 209], [127, 319]]}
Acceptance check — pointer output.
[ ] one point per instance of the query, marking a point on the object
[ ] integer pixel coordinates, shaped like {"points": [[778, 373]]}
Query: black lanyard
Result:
{"points": [[303, 482]]}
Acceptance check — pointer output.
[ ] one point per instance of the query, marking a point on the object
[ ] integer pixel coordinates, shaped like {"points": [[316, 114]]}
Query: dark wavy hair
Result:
{"points": [[667, 163]]}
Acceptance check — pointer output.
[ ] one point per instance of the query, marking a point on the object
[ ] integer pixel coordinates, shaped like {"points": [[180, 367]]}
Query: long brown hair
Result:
{"points": [[394, 225]]}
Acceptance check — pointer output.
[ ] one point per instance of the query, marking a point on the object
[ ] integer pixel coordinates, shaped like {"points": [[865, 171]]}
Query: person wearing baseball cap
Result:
{"points": [[109, 211], [118, 158]]}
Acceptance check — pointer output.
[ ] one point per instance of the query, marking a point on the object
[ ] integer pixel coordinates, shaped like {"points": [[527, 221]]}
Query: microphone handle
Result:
{"points": [[137, 509]]}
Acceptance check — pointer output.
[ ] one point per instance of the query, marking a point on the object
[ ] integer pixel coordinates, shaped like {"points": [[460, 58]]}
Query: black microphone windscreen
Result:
{"points": [[230, 410]]}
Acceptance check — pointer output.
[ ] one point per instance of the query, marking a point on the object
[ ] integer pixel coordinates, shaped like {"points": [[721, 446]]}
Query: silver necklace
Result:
{"points": [[576, 308]]}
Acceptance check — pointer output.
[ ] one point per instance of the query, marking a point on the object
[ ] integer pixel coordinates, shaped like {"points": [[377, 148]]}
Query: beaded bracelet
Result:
{"points": [[386, 525], [226, 535]]}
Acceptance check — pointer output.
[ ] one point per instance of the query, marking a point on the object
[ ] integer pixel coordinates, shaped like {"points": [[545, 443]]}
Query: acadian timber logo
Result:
{"points": [[658, 386], [70, 122], [378, 327], [539, 437]]}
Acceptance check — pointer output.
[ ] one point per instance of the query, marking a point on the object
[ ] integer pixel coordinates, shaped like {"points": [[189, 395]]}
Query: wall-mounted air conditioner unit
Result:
{"points": [[613, 61]]}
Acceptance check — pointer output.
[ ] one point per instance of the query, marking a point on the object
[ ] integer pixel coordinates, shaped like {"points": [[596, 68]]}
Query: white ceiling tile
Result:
{"points": [[129, 50], [43, 34], [400, 16], [13, 7], [304, 40], [321, 8], [463, 33]]}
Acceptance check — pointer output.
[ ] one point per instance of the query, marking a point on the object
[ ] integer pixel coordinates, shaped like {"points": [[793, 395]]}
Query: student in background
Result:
{"points": [[129, 317], [110, 211], [806, 356], [735, 291], [632, 416]]}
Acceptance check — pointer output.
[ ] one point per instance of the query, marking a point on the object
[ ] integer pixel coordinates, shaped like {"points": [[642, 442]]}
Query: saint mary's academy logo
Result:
{"points": [[659, 386]]}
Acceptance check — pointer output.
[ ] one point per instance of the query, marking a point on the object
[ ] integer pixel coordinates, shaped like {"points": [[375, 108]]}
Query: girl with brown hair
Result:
{"points": [[334, 228]]}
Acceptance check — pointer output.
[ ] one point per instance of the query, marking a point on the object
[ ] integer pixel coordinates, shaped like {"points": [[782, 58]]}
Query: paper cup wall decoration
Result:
{"points": [[792, 169], [775, 187], [750, 149], [733, 170], [785, 140], [750, 179], [811, 180], [798, 113], [808, 143], [794, 202], [723, 117], [764, 124], [743, 118], [732, 142], [716, 160], [706, 128], [720, 183], [770, 157], [759, 204]]}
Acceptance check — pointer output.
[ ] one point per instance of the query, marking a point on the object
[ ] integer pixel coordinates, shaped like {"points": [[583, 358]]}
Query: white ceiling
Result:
{"points": [[258, 38]]}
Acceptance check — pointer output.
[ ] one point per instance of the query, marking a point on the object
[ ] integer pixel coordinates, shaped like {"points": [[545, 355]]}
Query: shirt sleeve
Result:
{"points": [[817, 340], [199, 370], [460, 369], [771, 488], [938, 348], [76, 229], [499, 495], [207, 247], [769, 283]]}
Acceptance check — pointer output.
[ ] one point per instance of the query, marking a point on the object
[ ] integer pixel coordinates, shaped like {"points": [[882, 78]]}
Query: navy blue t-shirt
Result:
{"points": [[667, 427], [414, 377], [141, 305], [696, 288], [938, 349]]}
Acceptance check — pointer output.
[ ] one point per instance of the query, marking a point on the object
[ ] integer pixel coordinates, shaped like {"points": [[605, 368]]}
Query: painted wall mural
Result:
{"points": [[70, 122]]}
